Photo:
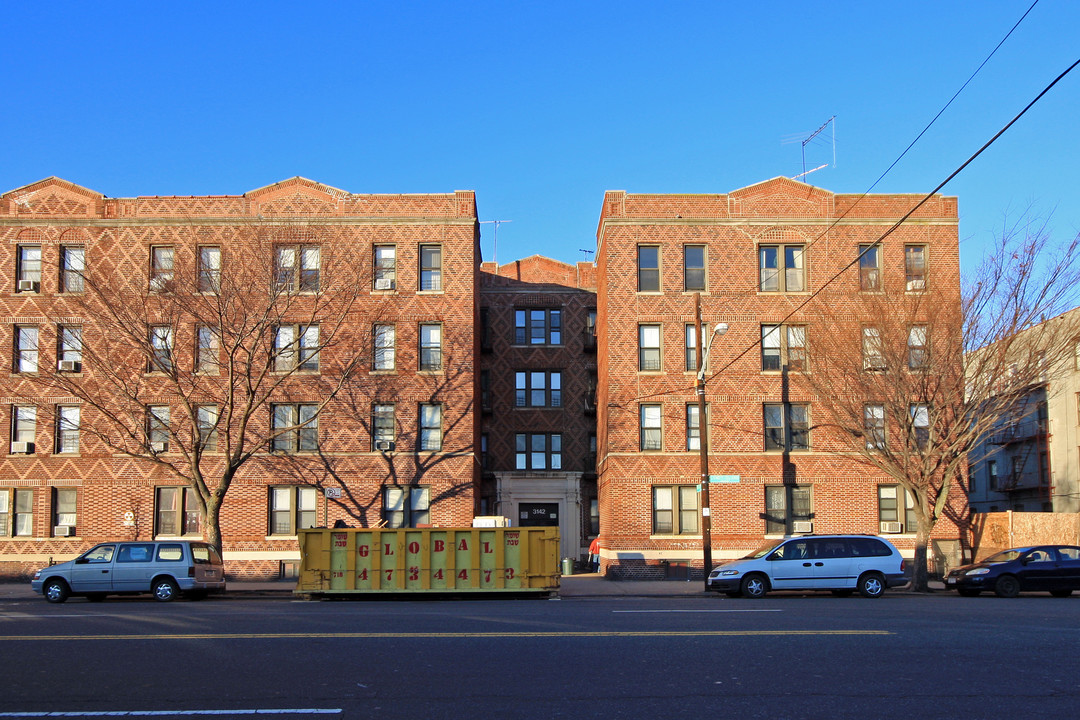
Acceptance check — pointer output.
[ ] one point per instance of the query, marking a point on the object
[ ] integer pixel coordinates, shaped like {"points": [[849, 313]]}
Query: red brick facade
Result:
{"points": [[643, 490], [115, 496]]}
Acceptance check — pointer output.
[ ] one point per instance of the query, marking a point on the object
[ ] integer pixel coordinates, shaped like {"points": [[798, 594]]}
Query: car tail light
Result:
{"points": [[902, 564], [191, 571]]}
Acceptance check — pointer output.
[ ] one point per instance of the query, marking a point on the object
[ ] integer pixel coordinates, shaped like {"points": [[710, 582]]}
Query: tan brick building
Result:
{"points": [[754, 255], [395, 446]]}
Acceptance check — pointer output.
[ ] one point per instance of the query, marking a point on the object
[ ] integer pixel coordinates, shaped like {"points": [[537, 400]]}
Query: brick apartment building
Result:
{"points": [[444, 387], [395, 445], [538, 396], [753, 255]]}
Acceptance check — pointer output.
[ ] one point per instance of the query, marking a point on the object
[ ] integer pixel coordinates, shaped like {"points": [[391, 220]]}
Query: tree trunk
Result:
{"points": [[213, 523], [919, 572]]}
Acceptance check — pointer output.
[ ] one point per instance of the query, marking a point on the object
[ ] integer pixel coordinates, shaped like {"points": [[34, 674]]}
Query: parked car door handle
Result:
{"points": [[806, 564], [818, 564]]}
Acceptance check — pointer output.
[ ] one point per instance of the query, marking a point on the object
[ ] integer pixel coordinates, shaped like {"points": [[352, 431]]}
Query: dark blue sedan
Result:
{"points": [[1048, 568]]}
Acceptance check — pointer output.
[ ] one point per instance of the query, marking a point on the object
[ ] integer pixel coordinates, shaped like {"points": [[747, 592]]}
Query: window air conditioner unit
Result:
{"points": [[802, 527], [385, 445], [28, 286], [384, 284], [68, 366], [63, 531], [892, 527], [158, 446], [24, 448]]}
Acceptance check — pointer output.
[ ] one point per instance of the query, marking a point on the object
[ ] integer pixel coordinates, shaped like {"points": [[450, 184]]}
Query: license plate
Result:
{"points": [[951, 581]]}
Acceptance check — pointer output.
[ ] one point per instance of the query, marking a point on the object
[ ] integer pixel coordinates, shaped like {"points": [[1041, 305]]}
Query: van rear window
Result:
{"points": [[205, 555], [170, 553]]}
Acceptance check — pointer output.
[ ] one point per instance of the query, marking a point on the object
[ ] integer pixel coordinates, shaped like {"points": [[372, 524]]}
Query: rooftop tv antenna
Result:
{"points": [[815, 138], [586, 253], [495, 238]]}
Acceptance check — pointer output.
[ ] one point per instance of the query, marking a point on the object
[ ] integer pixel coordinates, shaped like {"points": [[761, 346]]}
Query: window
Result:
{"points": [[19, 523], [889, 507], [176, 512], [869, 267], [161, 268], [23, 428], [291, 509], [992, 473], [485, 459], [538, 327], [69, 348], [385, 270], [538, 388], [787, 426], [161, 347], [783, 347], [26, 349], [384, 347], [691, 347], [874, 426], [209, 268], [64, 516], [295, 428], [648, 268], [693, 426], [430, 267], [206, 421], [920, 425], [694, 267], [383, 428], [28, 268], [406, 506], [648, 348], [72, 267], [431, 347], [873, 356], [296, 268], [67, 428], [296, 347], [915, 267], [157, 428], [917, 350], [675, 510], [784, 505], [538, 451], [651, 427], [206, 350], [782, 268], [430, 427]]}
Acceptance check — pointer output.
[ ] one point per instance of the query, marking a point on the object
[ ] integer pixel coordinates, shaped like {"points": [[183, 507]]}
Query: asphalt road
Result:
{"points": [[787, 656]]}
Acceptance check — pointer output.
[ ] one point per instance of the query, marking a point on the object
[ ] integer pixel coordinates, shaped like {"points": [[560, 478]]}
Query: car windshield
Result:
{"points": [[763, 550], [1005, 556]]}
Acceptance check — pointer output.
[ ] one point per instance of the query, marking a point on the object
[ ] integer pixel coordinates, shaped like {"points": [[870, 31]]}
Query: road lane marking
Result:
{"points": [[677, 611], [159, 713], [441, 636]]}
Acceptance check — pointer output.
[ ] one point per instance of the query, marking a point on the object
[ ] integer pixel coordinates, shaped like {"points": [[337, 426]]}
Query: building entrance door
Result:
{"points": [[538, 514]]}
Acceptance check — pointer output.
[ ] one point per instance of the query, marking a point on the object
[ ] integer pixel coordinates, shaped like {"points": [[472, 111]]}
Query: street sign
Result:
{"points": [[723, 478], [332, 493]]}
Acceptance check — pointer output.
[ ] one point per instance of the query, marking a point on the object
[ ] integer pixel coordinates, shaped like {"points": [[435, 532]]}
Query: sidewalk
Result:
{"points": [[571, 586]]}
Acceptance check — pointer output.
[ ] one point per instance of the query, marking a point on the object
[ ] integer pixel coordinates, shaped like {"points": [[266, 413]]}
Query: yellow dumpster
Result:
{"points": [[345, 561]]}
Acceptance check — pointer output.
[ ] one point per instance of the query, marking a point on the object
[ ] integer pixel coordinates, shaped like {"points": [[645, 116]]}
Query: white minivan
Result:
{"points": [[165, 568], [840, 563]]}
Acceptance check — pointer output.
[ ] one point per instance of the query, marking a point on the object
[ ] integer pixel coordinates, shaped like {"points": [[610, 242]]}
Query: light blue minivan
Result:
{"points": [[165, 568]]}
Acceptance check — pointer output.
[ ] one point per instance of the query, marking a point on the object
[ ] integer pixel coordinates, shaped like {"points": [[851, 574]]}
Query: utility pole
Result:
{"points": [[702, 350]]}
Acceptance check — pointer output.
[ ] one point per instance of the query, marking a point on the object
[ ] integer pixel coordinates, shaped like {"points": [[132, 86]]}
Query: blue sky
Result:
{"points": [[541, 107]]}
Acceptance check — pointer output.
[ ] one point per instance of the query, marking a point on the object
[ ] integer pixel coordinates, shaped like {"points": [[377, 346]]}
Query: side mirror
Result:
{"points": [[81, 561]]}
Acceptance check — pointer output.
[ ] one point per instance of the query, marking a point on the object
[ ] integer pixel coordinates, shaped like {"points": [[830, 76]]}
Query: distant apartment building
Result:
{"points": [[395, 447], [1030, 462], [538, 397], [753, 256]]}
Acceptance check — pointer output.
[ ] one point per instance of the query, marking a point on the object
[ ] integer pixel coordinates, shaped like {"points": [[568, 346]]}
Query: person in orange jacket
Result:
{"points": [[594, 555]]}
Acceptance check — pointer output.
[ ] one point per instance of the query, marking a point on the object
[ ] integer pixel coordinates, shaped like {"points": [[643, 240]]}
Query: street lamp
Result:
{"points": [[702, 350]]}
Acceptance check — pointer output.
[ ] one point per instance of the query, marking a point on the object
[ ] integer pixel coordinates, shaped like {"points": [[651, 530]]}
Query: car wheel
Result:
{"points": [[871, 585], [1007, 586], [165, 589], [95, 597], [1061, 593], [842, 593], [754, 586], [56, 591], [968, 592]]}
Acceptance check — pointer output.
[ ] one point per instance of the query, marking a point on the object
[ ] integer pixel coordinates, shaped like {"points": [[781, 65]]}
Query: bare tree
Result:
{"points": [[230, 351], [911, 376]]}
